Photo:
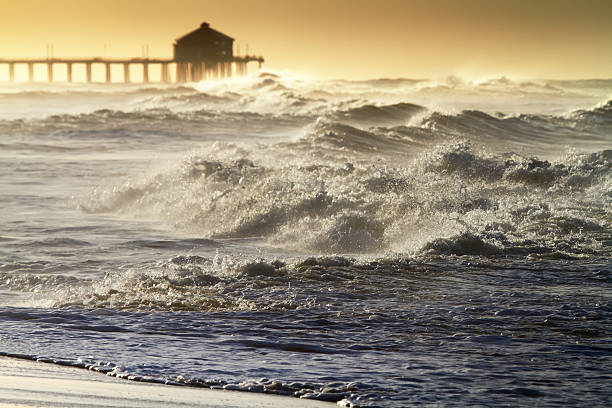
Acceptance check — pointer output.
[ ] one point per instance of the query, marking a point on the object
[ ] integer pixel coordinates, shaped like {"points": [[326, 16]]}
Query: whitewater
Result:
{"points": [[389, 242]]}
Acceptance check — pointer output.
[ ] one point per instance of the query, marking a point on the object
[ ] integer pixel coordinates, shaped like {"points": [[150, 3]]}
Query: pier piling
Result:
{"points": [[145, 72], [69, 72], [165, 75], [107, 71], [126, 72]]}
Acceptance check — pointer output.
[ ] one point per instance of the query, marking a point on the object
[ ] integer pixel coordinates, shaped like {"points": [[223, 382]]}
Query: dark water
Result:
{"points": [[376, 243]]}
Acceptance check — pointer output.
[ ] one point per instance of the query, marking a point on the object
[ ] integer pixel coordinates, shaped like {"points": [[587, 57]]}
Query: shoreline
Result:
{"points": [[28, 383]]}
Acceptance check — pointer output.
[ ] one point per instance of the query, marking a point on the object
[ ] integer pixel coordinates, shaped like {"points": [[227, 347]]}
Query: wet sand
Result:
{"points": [[26, 383]]}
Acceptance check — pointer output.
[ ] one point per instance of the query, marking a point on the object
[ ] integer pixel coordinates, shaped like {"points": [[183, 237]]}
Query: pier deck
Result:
{"points": [[185, 71]]}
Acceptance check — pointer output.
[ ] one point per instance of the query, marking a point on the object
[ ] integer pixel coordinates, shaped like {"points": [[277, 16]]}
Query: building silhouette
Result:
{"points": [[204, 45]]}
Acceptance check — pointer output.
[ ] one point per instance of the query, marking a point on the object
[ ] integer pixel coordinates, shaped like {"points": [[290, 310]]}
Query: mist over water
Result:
{"points": [[388, 242]]}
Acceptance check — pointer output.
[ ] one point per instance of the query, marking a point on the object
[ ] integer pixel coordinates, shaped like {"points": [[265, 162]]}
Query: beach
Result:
{"points": [[26, 383]]}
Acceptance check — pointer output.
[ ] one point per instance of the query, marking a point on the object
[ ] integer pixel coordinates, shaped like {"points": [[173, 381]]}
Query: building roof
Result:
{"points": [[203, 34]]}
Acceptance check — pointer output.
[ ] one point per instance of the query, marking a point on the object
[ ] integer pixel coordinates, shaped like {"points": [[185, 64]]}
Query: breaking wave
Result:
{"points": [[307, 201]]}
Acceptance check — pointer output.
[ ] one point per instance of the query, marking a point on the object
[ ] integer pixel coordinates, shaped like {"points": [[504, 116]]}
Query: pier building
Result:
{"points": [[202, 54]]}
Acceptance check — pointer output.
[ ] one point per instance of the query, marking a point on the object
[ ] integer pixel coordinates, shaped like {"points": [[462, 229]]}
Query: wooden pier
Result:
{"points": [[184, 71], [203, 54]]}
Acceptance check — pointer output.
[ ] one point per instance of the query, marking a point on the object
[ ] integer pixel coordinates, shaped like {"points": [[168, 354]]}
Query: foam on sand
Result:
{"points": [[31, 384]]}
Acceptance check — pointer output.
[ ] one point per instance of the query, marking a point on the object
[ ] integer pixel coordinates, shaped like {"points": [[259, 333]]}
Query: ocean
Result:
{"points": [[390, 242]]}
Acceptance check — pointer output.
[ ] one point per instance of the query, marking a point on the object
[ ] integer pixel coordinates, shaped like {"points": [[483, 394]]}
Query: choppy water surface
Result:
{"points": [[375, 243]]}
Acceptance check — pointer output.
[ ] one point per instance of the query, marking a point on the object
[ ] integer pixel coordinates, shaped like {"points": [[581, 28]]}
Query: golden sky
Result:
{"points": [[335, 38]]}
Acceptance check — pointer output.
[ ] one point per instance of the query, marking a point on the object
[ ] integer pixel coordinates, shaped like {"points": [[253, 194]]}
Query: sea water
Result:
{"points": [[391, 242]]}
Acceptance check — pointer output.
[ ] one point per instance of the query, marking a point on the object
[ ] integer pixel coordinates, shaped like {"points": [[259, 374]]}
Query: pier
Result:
{"points": [[184, 71], [204, 54]]}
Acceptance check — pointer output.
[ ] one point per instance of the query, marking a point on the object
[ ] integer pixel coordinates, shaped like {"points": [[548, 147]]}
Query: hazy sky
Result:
{"points": [[336, 38]]}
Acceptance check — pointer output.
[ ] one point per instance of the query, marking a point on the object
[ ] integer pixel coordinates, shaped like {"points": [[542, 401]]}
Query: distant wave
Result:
{"points": [[340, 139], [598, 118], [584, 125], [376, 102], [105, 126], [371, 115], [401, 128], [73, 91]]}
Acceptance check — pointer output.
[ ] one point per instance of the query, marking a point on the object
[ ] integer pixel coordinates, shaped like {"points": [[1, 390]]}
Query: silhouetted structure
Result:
{"points": [[201, 54], [204, 45], [207, 53]]}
